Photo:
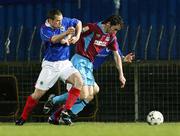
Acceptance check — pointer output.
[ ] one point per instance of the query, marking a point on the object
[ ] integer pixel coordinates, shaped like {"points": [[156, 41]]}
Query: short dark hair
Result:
{"points": [[114, 20], [51, 14]]}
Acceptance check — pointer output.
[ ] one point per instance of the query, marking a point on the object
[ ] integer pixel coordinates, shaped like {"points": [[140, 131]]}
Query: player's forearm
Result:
{"points": [[119, 67], [78, 29], [59, 37]]}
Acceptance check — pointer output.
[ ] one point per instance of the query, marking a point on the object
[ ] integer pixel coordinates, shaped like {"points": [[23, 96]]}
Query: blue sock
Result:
{"points": [[79, 106], [60, 98]]}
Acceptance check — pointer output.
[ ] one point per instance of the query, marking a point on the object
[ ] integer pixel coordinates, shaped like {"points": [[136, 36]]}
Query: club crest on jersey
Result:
{"points": [[107, 50], [100, 43], [62, 28], [107, 39]]}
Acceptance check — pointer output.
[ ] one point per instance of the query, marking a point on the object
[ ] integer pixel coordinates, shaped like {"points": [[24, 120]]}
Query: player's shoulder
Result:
{"points": [[90, 25], [67, 19], [45, 28]]}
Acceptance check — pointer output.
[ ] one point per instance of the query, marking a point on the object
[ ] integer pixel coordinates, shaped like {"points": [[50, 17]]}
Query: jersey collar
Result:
{"points": [[48, 24], [101, 27]]}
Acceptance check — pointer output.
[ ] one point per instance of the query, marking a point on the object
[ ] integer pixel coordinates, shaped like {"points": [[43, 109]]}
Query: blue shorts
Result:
{"points": [[85, 67]]}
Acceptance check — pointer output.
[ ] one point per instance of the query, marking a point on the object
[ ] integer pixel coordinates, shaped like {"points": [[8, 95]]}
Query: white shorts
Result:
{"points": [[52, 71]]}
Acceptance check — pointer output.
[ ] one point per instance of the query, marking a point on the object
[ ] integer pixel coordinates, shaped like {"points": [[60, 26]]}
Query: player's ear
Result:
{"points": [[108, 24]]}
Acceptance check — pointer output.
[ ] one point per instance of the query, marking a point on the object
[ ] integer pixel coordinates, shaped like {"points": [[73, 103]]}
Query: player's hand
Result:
{"points": [[74, 39], [70, 30], [129, 57], [64, 41], [122, 81]]}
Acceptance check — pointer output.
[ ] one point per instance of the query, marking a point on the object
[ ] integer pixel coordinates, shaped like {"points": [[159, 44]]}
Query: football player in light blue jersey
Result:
{"points": [[56, 64], [80, 104]]}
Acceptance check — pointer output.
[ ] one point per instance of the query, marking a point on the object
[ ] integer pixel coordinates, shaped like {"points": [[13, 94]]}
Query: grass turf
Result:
{"points": [[90, 129]]}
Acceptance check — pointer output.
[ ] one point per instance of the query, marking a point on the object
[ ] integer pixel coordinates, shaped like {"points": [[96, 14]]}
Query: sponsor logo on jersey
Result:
{"points": [[100, 43]]}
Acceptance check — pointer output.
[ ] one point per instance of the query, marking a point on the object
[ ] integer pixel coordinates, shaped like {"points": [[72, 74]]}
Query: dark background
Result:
{"points": [[151, 32]]}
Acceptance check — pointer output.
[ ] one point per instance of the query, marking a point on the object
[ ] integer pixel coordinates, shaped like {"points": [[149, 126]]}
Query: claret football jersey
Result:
{"points": [[93, 40]]}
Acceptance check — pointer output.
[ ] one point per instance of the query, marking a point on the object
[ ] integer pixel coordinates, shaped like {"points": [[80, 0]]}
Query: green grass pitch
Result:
{"points": [[90, 129]]}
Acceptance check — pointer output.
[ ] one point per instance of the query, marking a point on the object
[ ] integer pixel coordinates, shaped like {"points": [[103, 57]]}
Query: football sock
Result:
{"points": [[73, 94], [60, 98], [30, 104], [78, 106]]}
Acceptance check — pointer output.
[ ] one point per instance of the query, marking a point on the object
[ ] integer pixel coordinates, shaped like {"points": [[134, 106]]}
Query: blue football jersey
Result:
{"points": [[57, 51]]}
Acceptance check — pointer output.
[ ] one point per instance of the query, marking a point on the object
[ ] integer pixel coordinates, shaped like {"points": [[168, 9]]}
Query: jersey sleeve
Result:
{"points": [[46, 33], [72, 22], [88, 28]]}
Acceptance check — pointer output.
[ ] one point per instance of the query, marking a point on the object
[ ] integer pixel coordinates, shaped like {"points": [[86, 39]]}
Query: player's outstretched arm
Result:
{"points": [[118, 62]]}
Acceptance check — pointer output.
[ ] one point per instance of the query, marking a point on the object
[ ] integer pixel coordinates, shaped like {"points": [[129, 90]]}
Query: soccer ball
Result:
{"points": [[155, 118]]}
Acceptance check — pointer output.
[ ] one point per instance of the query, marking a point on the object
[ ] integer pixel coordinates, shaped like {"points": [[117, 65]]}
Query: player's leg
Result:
{"points": [[60, 98], [73, 95], [74, 92], [46, 80], [72, 113], [95, 91], [88, 80], [85, 67], [54, 117], [71, 75], [53, 102], [63, 97], [31, 102], [79, 105]]}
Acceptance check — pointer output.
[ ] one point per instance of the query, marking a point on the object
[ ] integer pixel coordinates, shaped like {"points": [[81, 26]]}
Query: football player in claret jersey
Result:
{"points": [[94, 38], [56, 62]]}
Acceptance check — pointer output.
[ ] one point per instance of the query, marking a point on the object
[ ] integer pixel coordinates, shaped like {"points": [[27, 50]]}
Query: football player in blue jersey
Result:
{"points": [[56, 62], [80, 104]]}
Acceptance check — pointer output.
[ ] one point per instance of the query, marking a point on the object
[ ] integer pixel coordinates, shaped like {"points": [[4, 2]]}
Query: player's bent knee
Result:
{"points": [[84, 92], [95, 89], [83, 95], [78, 81]]}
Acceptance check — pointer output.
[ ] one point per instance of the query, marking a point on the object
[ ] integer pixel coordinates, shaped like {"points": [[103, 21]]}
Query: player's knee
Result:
{"points": [[84, 94], [78, 82], [95, 89]]}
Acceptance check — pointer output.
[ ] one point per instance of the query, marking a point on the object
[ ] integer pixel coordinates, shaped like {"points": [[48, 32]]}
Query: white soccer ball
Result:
{"points": [[155, 118]]}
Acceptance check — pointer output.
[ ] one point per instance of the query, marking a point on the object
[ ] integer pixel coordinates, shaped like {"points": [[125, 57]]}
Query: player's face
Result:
{"points": [[114, 28], [56, 23]]}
